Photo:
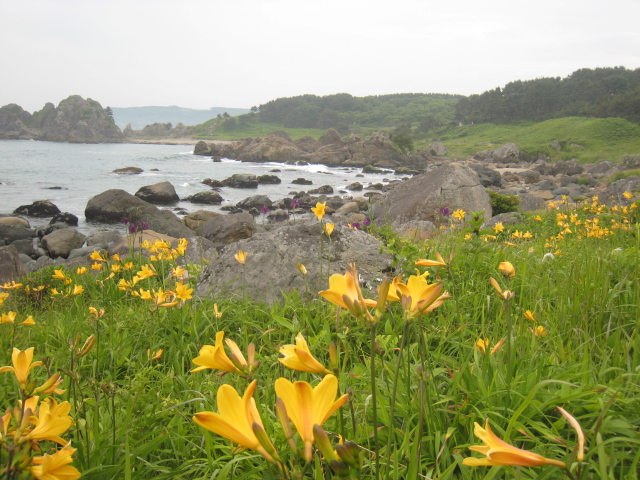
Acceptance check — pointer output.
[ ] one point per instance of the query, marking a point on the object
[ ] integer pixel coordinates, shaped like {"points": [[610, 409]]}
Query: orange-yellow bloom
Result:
{"points": [[183, 292], [506, 295], [482, 345], [8, 317], [298, 357], [498, 452], [235, 418], [215, 357], [419, 297], [241, 256], [328, 228], [52, 420], [507, 269], [307, 406], [319, 210], [459, 214], [343, 292], [59, 274], [423, 262], [22, 364], [147, 271], [11, 285], [56, 466], [529, 315], [28, 321]]}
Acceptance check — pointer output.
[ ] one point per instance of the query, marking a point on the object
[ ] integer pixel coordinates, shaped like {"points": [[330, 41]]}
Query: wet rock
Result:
{"points": [[39, 209]]}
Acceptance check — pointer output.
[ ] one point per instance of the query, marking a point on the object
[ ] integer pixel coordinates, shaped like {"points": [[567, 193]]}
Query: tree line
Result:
{"points": [[599, 92]]}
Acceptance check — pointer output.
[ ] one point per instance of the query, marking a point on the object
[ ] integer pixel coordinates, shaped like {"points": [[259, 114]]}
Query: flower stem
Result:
{"points": [[374, 401]]}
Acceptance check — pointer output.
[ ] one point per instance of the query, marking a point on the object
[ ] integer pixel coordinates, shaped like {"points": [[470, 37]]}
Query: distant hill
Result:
{"points": [[139, 117]]}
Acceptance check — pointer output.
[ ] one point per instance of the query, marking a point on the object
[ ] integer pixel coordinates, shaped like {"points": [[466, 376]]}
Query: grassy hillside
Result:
{"points": [[586, 139], [214, 129]]}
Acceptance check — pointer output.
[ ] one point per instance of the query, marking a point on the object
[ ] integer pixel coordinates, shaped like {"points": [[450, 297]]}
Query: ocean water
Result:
{"points": [[29, 169]]}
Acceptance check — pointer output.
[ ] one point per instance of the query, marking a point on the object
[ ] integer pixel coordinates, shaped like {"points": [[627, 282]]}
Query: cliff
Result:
{"points": [[74, 120]]}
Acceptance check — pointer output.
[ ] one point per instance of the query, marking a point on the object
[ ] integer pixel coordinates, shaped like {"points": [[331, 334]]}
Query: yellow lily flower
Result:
{"points": [[215, 357], [78, 289], [59, 274], [529, 315], [328, 228], [216, 313], [499, 452], [423, 262], [56, 466], [81, 270], [307, 406], [459, 214], [241, 256], [183, 292], [154, 356], [498, 227], [52, 420], [343, 291], [28, 321], [420, 297], [96, 266], [99, 257], [8, 317], [21, 365], [319, 210], [506, 295], [540, 331], [51, 385], [302, 268], [11, 285], [298, 357], [482, 345], [147, 271], [507, 269], [235, 418]]}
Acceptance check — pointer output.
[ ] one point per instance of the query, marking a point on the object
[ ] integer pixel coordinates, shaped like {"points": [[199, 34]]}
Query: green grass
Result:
{"points": [[133, 415], [587, 139], [212, 131]]}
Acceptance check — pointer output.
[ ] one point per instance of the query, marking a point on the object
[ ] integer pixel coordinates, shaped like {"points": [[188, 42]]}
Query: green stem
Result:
{"points": [[374, 401], [394, 390]]}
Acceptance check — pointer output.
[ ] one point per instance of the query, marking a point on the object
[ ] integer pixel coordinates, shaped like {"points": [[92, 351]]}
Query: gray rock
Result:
{"points": [[59, 243], [40, 209], [163, 193], [10, 233], [613, 194], [255, 201], [269, 180], [194, 220], [453, 185], [11, 267], [530, 203], [205, 198], [323, 190], [507, 153], [9, 220], [271, 266], [112, 206], [102, 240], [488, 176], [356, 187], [225, 229], [241, 180], [67, 218], [24, 246], [508, 218], [530, 176], [437, 149], [631, 161], [128, 171]]}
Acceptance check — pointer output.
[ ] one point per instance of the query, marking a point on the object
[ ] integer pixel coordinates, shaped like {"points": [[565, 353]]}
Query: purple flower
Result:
{"points": [[132, 228], [366, 222], [445, 212], [295, 203], [356, 225], [264, 209], [124, 221]]}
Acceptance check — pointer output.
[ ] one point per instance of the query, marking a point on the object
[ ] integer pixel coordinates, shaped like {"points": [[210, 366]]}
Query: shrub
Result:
{"points": [[503, 203]]}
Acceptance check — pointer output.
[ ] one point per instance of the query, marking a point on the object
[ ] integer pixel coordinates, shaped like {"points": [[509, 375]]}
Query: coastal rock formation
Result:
{"points": [[73, 120], [113, 206], [11, 267], [163, 193], [59, 243], [225, 229], [329, 150], [39, 209], [452, 185], [274, 255]]}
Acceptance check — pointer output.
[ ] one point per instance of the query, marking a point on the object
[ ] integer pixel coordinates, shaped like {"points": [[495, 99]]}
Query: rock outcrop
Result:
{"points": [[73, 120], [453, 185], [113, 206], [163, 193], [274, 255], [330, 149]]}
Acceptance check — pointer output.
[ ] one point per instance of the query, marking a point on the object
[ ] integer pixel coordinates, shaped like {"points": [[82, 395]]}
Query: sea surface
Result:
{"points": [[29, 171]]}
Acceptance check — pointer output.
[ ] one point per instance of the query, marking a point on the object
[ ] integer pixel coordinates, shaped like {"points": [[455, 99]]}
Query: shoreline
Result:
{"points": [[172, 141]]}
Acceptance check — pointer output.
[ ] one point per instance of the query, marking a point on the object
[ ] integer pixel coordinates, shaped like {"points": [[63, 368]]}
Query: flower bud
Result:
{"points": [[86, 348]]}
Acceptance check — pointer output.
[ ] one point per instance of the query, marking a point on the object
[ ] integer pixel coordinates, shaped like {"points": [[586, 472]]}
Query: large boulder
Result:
{"points": [[115, 205], [204, 198], [614, 194], [10, 233], [452, 185], [59, 243], [11, 267], [163, 193], [507, 153], [9, 220], [271, 266], [241, 180], [40, 209], [195, 220], [437, 149], [225, 229]]}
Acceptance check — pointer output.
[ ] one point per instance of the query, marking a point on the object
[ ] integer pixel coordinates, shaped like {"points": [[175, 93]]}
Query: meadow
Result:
{"points": [[533, 328]]}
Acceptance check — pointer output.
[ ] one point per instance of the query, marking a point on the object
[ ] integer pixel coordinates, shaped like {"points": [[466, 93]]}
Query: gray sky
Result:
{"points": [[239, 53]]}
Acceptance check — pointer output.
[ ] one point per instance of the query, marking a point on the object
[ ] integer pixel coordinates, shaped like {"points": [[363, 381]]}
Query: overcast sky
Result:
{"points": [[239, 53]]}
